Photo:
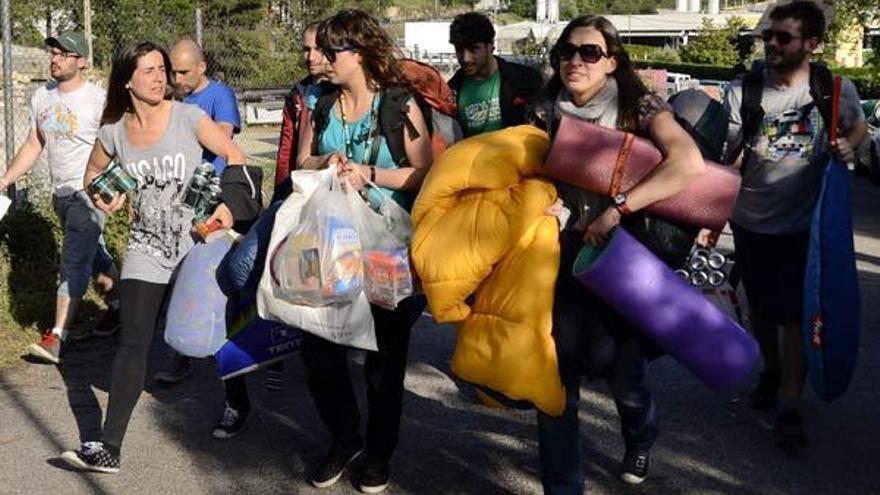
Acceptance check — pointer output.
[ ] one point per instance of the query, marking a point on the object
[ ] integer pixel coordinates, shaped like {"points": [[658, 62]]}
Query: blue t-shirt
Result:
{"points": [[218, 101], [333, 139]]}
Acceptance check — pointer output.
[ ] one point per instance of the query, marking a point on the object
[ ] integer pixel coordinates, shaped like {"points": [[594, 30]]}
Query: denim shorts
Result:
{"points": [[83, 253]]}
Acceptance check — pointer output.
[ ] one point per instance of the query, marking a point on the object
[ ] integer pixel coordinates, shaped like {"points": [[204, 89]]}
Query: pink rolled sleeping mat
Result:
{"points": [[608, 161]]}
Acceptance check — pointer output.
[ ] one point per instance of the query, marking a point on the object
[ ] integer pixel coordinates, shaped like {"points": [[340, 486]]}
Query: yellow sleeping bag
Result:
{"points": [[480, 229]]}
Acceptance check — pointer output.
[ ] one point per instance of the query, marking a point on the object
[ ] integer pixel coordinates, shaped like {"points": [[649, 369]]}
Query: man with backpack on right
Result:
{"points": [[491, 93], [779, 115]]}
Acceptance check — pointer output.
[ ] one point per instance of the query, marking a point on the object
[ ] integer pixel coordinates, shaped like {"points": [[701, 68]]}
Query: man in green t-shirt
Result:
{"points": [[491, 93]]}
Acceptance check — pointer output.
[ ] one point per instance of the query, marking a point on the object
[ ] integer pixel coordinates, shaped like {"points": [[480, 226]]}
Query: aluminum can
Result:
{"points": [[119, 178], [195, 192]]}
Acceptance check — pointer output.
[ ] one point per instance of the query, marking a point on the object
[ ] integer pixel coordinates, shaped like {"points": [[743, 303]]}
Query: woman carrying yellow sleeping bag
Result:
{"points": [[480, 228]]}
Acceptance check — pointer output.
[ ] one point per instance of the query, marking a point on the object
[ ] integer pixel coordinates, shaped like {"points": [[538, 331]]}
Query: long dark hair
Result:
{"points": [[124, 64], [379, 55], [630, 88]]}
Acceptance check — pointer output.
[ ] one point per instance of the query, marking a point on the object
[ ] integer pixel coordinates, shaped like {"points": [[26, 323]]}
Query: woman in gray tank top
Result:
{"points": [[159, 143]]}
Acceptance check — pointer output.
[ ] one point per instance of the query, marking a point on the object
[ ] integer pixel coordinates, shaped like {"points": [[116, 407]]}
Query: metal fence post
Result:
{"points": [[199, 26], [87, 27], [7, 93]]}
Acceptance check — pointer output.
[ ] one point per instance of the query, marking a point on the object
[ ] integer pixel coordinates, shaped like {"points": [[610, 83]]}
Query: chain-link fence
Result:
{"points": [[251, 45]]}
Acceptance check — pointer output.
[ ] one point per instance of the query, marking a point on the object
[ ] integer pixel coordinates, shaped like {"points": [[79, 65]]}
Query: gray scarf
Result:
{"points": [[601, 109], [585, 206]]}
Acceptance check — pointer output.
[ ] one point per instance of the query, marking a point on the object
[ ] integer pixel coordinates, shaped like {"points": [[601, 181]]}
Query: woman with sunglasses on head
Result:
{"points": [[594, 80], [363, 71], [159, 143]]}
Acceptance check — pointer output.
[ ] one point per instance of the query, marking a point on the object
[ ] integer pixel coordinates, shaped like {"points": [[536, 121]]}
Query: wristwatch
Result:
{"points": [[620, 204]]}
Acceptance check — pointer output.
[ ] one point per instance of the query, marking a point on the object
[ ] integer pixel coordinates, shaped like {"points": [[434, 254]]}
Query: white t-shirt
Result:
{"points": [[68, 124]]}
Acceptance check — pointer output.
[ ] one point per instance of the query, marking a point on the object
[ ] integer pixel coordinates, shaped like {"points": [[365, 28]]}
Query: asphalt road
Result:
{"points": [[709, 442]]}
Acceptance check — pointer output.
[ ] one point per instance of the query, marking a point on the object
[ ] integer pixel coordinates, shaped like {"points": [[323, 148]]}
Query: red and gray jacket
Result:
{"points": [[294, 115]]}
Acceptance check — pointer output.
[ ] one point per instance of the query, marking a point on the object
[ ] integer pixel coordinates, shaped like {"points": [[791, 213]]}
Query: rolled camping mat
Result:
{"points": [[258, 344], [831, 289], [666, 309]]}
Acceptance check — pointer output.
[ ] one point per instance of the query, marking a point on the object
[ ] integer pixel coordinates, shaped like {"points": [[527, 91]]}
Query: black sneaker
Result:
{"points": [[92, 456], [231, 423], [634, 468], [789, 431], [175, 372], [372, 476], [764, 395], [331, 469], [274, 379]]}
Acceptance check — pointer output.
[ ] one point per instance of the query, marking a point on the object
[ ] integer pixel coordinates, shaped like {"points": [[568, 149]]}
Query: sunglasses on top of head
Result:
{"points": [[332, 51], [589, 53], [782, 37]]}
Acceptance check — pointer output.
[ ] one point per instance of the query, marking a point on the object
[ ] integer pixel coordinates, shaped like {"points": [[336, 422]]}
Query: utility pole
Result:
{"points": [[199, 25], [8, 108], [87, 28]]}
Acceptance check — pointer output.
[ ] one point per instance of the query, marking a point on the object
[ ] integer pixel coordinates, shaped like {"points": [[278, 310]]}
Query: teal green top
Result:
{"points": [[333, 139]]}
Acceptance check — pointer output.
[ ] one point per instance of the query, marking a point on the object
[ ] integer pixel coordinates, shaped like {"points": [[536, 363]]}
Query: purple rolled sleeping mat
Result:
{"points": [[666, 309]]}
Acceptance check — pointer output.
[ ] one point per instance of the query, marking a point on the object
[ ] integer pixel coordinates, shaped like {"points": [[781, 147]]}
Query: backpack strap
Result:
{"points": [[821, 90], [393, 118], [751, 113], [321, 115]]}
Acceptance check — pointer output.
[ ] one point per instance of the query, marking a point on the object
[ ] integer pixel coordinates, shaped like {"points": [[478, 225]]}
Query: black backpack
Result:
{"points": [[706, 120], [393, 118], [752, 114]]}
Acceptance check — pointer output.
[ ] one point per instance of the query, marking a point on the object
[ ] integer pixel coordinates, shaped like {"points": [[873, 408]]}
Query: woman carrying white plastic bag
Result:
{"points": [[365, 77]]}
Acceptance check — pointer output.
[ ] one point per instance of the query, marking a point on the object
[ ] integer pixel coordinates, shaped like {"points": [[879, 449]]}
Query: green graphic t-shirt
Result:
{"points": [[479, 110]]}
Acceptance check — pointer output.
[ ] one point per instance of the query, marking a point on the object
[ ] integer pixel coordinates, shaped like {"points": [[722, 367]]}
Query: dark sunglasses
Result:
{"points": [[590, 54], [332, 51], [782, 37]]}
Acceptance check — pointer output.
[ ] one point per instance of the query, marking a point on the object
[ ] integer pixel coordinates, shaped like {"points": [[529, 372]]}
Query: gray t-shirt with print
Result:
{"points": [[784, 175], [160, 234]]}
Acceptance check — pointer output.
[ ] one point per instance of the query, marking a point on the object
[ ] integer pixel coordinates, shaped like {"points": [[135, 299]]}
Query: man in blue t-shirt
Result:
{"points": [[215, 98], [218, 101]]}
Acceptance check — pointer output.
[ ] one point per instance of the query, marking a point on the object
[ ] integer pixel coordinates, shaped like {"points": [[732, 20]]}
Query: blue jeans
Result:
{"points": [[559, 441], [83, 253]]}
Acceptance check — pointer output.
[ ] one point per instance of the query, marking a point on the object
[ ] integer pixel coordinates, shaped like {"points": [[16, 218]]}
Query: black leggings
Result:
{"points": [[139, 306], [332, 391]]}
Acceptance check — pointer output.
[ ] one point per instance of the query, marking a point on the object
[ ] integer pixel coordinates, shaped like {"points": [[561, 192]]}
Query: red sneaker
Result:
{"points": [[46, 350]]}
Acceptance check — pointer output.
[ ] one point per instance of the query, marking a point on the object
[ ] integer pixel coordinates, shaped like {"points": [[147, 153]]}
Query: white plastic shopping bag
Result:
{"points": [[319, 262], [385, 237], [348, 324], [4, 205], [196, 319]]}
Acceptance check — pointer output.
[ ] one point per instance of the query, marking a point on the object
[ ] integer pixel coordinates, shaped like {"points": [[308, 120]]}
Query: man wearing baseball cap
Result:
{"points": [[64, 116]]}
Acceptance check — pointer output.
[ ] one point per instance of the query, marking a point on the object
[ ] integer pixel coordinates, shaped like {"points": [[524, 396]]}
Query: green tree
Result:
{"points": [[710, 46], [522, 8]]}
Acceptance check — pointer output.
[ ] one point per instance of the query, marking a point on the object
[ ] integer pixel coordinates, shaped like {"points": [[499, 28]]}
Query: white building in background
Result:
{"points": [[547, 10], [668, 28]]}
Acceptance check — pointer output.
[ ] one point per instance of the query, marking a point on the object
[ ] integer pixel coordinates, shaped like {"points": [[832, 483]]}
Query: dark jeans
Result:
{"points": [[139, 306], [559, 440], [593, 340], [237, 391], [331, 388]]}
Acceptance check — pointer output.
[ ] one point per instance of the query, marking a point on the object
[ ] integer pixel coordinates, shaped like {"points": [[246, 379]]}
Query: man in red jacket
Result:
{"points": [[295, 111]]}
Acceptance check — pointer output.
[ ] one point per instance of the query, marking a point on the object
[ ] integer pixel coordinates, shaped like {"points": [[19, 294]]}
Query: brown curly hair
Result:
{"points": [[379, 55]]}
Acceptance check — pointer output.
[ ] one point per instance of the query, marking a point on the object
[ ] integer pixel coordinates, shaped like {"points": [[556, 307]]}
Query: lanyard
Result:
{"points": [[349, 146]]}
